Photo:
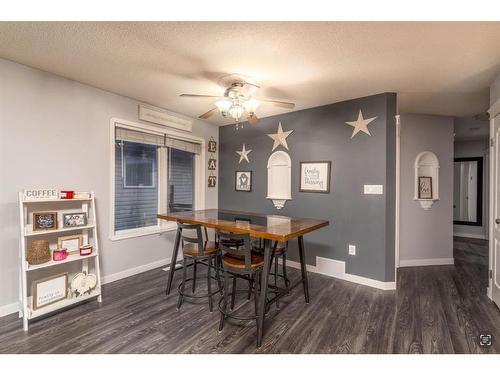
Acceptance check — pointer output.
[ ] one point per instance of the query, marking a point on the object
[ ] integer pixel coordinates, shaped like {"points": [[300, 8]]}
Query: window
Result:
{"points": [[180, 180], [136, 198], [139, 165], [153, 172]]}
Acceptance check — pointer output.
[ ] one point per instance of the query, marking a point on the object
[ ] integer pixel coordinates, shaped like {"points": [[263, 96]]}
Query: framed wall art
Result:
{"points": [[424, 187], [44, 220], [49, 290], [315, 176], [70, 243], [243, 181], [78, 219]]}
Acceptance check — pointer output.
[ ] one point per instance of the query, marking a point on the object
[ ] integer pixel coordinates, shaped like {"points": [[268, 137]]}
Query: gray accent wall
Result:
{"points": [[426, 235], [321, 133]]}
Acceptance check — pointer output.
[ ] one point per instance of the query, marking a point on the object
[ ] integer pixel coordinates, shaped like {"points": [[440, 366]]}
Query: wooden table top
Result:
{"points": [[272, 227]]}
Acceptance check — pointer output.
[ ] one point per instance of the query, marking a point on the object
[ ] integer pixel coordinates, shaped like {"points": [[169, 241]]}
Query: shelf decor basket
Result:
{"points": [[38, 252]]}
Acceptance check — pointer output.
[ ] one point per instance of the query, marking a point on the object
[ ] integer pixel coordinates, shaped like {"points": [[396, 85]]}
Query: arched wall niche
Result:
{"points": [[279, 178]]}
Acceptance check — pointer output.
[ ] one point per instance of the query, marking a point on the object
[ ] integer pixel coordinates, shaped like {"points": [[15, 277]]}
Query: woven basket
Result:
{"points": [[38, 252]]}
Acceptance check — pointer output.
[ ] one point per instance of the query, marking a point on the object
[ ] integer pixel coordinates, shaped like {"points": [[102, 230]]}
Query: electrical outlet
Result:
{"points": [[352, 250]]}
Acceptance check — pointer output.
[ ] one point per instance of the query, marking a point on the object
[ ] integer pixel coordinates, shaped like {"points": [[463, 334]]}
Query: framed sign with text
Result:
{"points": [[315, 176]]}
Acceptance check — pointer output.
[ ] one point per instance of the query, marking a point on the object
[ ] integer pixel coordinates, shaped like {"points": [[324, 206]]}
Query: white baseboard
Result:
{"points": [[9, 309], [134, 271], [470, 235], [336, 268], [426, 262]]}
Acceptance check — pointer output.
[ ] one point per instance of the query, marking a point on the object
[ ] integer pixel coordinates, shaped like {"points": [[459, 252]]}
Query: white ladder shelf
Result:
{"points": [[89, 233]]}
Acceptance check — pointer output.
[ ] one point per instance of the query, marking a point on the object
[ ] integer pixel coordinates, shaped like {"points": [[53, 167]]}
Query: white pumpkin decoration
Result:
{"points": [[83, 283]]}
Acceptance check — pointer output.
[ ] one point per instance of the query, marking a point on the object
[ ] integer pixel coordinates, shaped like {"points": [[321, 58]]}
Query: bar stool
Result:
{"points": [[238, 260], [279, 251], [200, 251]]}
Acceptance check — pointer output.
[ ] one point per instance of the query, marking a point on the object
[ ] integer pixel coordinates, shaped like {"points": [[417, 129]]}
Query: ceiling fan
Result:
{"points": [[237, 101]]}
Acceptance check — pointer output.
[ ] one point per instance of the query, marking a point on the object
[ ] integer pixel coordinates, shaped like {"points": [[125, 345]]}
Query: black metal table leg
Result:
{"points": [[263, 291], [303, 268], [173, 262]]}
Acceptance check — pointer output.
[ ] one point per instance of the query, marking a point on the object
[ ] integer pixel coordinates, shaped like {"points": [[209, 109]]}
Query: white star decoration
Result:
{"points": [[243, 154], [360, 124], [280, 137]]}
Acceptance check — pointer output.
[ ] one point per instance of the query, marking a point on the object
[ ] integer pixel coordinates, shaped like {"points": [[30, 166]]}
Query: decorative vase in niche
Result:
{"points": [[279, 186], [38, 252]]}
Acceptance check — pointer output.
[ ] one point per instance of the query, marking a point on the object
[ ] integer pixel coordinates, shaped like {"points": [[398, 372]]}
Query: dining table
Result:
{"points": [[269, 228]]}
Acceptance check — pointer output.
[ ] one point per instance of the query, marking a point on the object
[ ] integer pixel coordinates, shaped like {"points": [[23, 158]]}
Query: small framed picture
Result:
{"points": [[243, 181], [70, 243], [315, 176], [44, 220], [424, 187], [49, 290], [78, 219]]}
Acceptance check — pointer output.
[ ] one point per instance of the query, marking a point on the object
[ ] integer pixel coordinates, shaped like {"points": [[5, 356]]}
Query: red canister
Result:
{"points": [[59, 254], [67, 194]]}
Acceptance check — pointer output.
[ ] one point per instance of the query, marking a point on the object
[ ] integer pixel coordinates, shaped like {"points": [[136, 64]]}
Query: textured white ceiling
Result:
{"points": [[435, 67]]}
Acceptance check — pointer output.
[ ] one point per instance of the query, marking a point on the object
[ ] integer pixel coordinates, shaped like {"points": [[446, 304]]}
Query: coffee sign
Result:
{"points": [[40, 194]]}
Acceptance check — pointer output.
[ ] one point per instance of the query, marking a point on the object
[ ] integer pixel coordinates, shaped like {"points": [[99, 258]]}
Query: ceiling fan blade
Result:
{"points": [[253, 119], [199, 96], [278, 103], [209, 113]]}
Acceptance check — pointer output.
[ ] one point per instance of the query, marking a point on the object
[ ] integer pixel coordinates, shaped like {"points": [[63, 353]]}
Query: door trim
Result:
{"points": [[491, 209], [398, 192]]}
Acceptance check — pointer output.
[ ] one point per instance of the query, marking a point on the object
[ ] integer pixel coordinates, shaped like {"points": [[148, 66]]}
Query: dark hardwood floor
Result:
{"points": [[438, 309]]}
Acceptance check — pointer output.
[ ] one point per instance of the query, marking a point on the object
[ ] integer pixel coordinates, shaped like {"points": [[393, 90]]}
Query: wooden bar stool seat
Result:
{"points": [[194, 249], [238, 262]]}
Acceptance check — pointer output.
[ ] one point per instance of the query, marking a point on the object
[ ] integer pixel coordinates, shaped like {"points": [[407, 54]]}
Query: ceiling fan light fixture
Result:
{"points": [[236, 111], [224, 105], [251, 106]]}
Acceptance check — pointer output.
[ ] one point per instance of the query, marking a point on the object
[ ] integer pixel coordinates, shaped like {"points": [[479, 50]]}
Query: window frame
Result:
{"points": [[199, 177]]}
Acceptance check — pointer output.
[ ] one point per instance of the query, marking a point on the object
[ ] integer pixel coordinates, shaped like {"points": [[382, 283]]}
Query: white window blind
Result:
{"points": [[161, 140]]}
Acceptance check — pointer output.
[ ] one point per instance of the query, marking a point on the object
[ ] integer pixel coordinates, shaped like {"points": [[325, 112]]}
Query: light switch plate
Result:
{"points": [[352, 250], [374, 189]]}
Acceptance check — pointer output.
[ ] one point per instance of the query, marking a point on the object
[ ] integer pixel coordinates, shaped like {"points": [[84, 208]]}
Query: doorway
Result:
{"points": [[471, 199]]}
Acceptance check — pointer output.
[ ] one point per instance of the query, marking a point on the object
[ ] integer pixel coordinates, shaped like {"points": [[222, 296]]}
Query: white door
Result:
{"points": [[495, 198]]}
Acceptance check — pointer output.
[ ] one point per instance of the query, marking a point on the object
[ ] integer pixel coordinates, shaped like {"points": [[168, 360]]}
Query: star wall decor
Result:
{"points": [[360, 124], [243, 154], [279, 138]]}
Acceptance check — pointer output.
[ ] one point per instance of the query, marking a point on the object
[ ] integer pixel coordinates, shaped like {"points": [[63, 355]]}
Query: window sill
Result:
{"points": [[133, 233]]}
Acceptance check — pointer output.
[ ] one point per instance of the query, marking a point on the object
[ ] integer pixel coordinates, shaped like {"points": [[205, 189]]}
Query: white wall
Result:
{"points": [[466, 149], [426, 237], [495, 91], [54, 132]]}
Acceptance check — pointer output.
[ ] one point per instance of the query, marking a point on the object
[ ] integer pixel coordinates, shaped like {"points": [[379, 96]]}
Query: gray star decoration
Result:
{"points": [[243, 154], [279, 138], [360, 124]]}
